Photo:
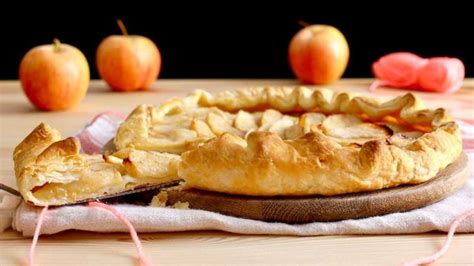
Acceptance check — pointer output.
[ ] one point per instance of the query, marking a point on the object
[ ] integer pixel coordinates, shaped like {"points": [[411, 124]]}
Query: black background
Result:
{"points": [[236, 40]]}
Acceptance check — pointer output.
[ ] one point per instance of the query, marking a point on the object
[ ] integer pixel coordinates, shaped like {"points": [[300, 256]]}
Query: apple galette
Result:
{"points": [[257, 141]]}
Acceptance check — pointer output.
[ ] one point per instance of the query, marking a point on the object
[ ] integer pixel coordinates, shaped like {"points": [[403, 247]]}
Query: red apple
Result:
{"points": [[318, 54], [128, 62], [54, 76]]}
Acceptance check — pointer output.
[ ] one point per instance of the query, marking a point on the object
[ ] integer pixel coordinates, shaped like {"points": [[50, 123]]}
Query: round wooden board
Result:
{"points": [[324, 209]]}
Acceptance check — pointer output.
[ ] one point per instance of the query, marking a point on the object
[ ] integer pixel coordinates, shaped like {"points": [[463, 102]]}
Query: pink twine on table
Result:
{"points": [[36, 236], [133, 233], [379, 83], [446, 244], [409, 71], [144, 262]]}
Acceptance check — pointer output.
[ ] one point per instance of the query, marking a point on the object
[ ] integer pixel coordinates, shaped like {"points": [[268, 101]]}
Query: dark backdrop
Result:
{"points": [[232, 40]]}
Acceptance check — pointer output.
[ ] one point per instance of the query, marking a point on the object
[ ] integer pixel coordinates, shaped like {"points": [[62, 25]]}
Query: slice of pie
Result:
{"points": [[257, 141], [51, 171]]}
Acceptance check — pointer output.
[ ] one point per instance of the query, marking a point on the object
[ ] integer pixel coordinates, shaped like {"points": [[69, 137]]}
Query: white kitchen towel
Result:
{"points": [[437, 216], [8, 204]]}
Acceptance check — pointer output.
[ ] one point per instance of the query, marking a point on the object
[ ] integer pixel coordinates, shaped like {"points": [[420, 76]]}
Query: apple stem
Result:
{"points": [[122, 27], [57, 45], [303, 23]]}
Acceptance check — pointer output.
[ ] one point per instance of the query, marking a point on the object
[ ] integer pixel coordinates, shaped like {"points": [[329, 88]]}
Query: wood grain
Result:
{"points": [[17, 118]]}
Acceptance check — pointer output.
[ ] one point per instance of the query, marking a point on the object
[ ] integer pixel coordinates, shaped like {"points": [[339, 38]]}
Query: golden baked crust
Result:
{"points": [[296, 141], [257, 141], [266, 165], [52, 171]]}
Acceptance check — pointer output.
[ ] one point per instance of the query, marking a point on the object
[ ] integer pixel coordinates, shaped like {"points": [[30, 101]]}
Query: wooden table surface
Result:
{"points": [[18, 118]]}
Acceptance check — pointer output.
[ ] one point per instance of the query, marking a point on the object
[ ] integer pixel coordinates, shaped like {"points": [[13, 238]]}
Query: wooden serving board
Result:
{"points": [[334, 208]]}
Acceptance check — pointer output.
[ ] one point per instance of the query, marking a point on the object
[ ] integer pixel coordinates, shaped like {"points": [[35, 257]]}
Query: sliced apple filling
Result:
{"points": [[184, 129]]}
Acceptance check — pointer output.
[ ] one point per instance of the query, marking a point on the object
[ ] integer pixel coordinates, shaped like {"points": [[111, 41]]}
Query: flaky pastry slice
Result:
{"points": [[52, 171]]}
